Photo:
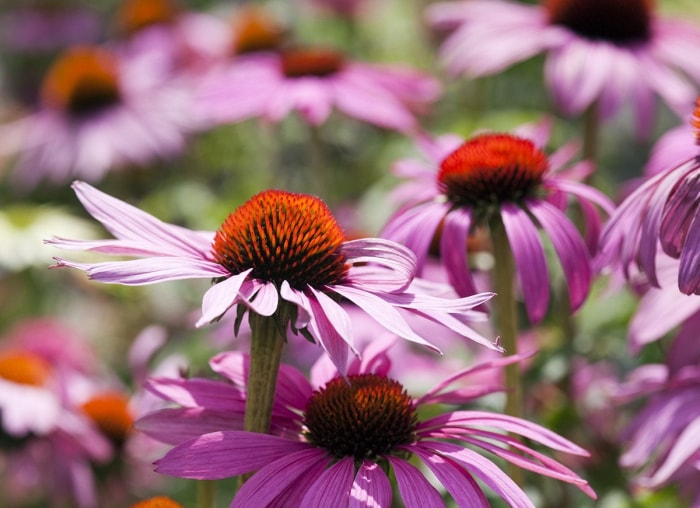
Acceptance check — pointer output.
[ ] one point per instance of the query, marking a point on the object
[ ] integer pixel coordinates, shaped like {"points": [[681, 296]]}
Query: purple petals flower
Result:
{"points": [[333, 438], [99, 112], [509, 177], [604, 63], [250, 270], [660, 215], [312, 82]]}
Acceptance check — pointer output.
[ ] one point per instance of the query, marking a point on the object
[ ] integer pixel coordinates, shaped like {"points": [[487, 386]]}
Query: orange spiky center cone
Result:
{"points": [[363, 416], [255, 30], [157, 502], [82, 80], [24, 368], [110, 412], [283, 236], [135, 15], [695, 121], [319, 62], [492, 169], [615, 21]]}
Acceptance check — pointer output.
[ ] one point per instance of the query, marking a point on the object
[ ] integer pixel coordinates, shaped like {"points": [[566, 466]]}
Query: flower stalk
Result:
{"points": [[506, 323], [265, 356]]}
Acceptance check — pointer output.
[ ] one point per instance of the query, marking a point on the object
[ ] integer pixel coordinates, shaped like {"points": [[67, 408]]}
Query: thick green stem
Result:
{"points": [[205, 493], [506, 323], [265, 356]]}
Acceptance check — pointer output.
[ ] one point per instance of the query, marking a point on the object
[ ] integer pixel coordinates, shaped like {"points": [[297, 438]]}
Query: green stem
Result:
{"points": [[319, 168], [265, 356], [506, 323], [591, 125], [205, 493]]}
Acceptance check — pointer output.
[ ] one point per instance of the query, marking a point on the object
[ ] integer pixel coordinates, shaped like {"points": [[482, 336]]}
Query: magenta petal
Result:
{"points": [[453, 250], [689, 270], [458, 482], [371, 489], [684, 448], [333, 332], [570, 249], [416, 491], [381, 311], [332, 487], [220, 297], [487, 471], [177, 425], [197, 392], [529, 259], [129, 223], [277, 476], [138, 272], [228, 453]]}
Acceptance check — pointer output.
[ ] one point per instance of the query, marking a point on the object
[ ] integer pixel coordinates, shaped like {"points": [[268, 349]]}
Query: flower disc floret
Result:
{"points": [[135, 15], [492, 169], [83, 80], [283, 236], [110, 413], [364, 416], [297, 63], [255, 30], [24, 368], [616, 21]]}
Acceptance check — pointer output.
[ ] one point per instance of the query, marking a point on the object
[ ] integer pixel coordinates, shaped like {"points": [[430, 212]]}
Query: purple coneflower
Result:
{"points": [[508, 178], [98, 112], [598, 51], [663, 445], [334, 440], [279, 254], [660, 215], [313, 81]]}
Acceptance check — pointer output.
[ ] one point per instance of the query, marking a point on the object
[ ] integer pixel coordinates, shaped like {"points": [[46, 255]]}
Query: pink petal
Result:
{"points": [[220, 297], [529, 259], [371, 488], [416, 491], [332, 487]]}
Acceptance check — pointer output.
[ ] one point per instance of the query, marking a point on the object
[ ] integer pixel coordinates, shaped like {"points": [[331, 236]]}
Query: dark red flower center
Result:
{"points": [[135, 15], [297, 63], [364, 416], [24, 368], [492, 169], [110, 412], [81, 81], [255, 30], [616, 21], [283, 236]]}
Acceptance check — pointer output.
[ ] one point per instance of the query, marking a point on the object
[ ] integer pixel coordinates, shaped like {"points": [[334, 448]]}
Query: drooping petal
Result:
{"points": [[177, 425], [382, 312], [686, 445], [487, 471], [453, 251], [277, 476], [570, 248], [332, 487], [229, 453], [371, 488], [220, 297], [458, 482], [689, 269], [529, 259], [416, 491]]}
